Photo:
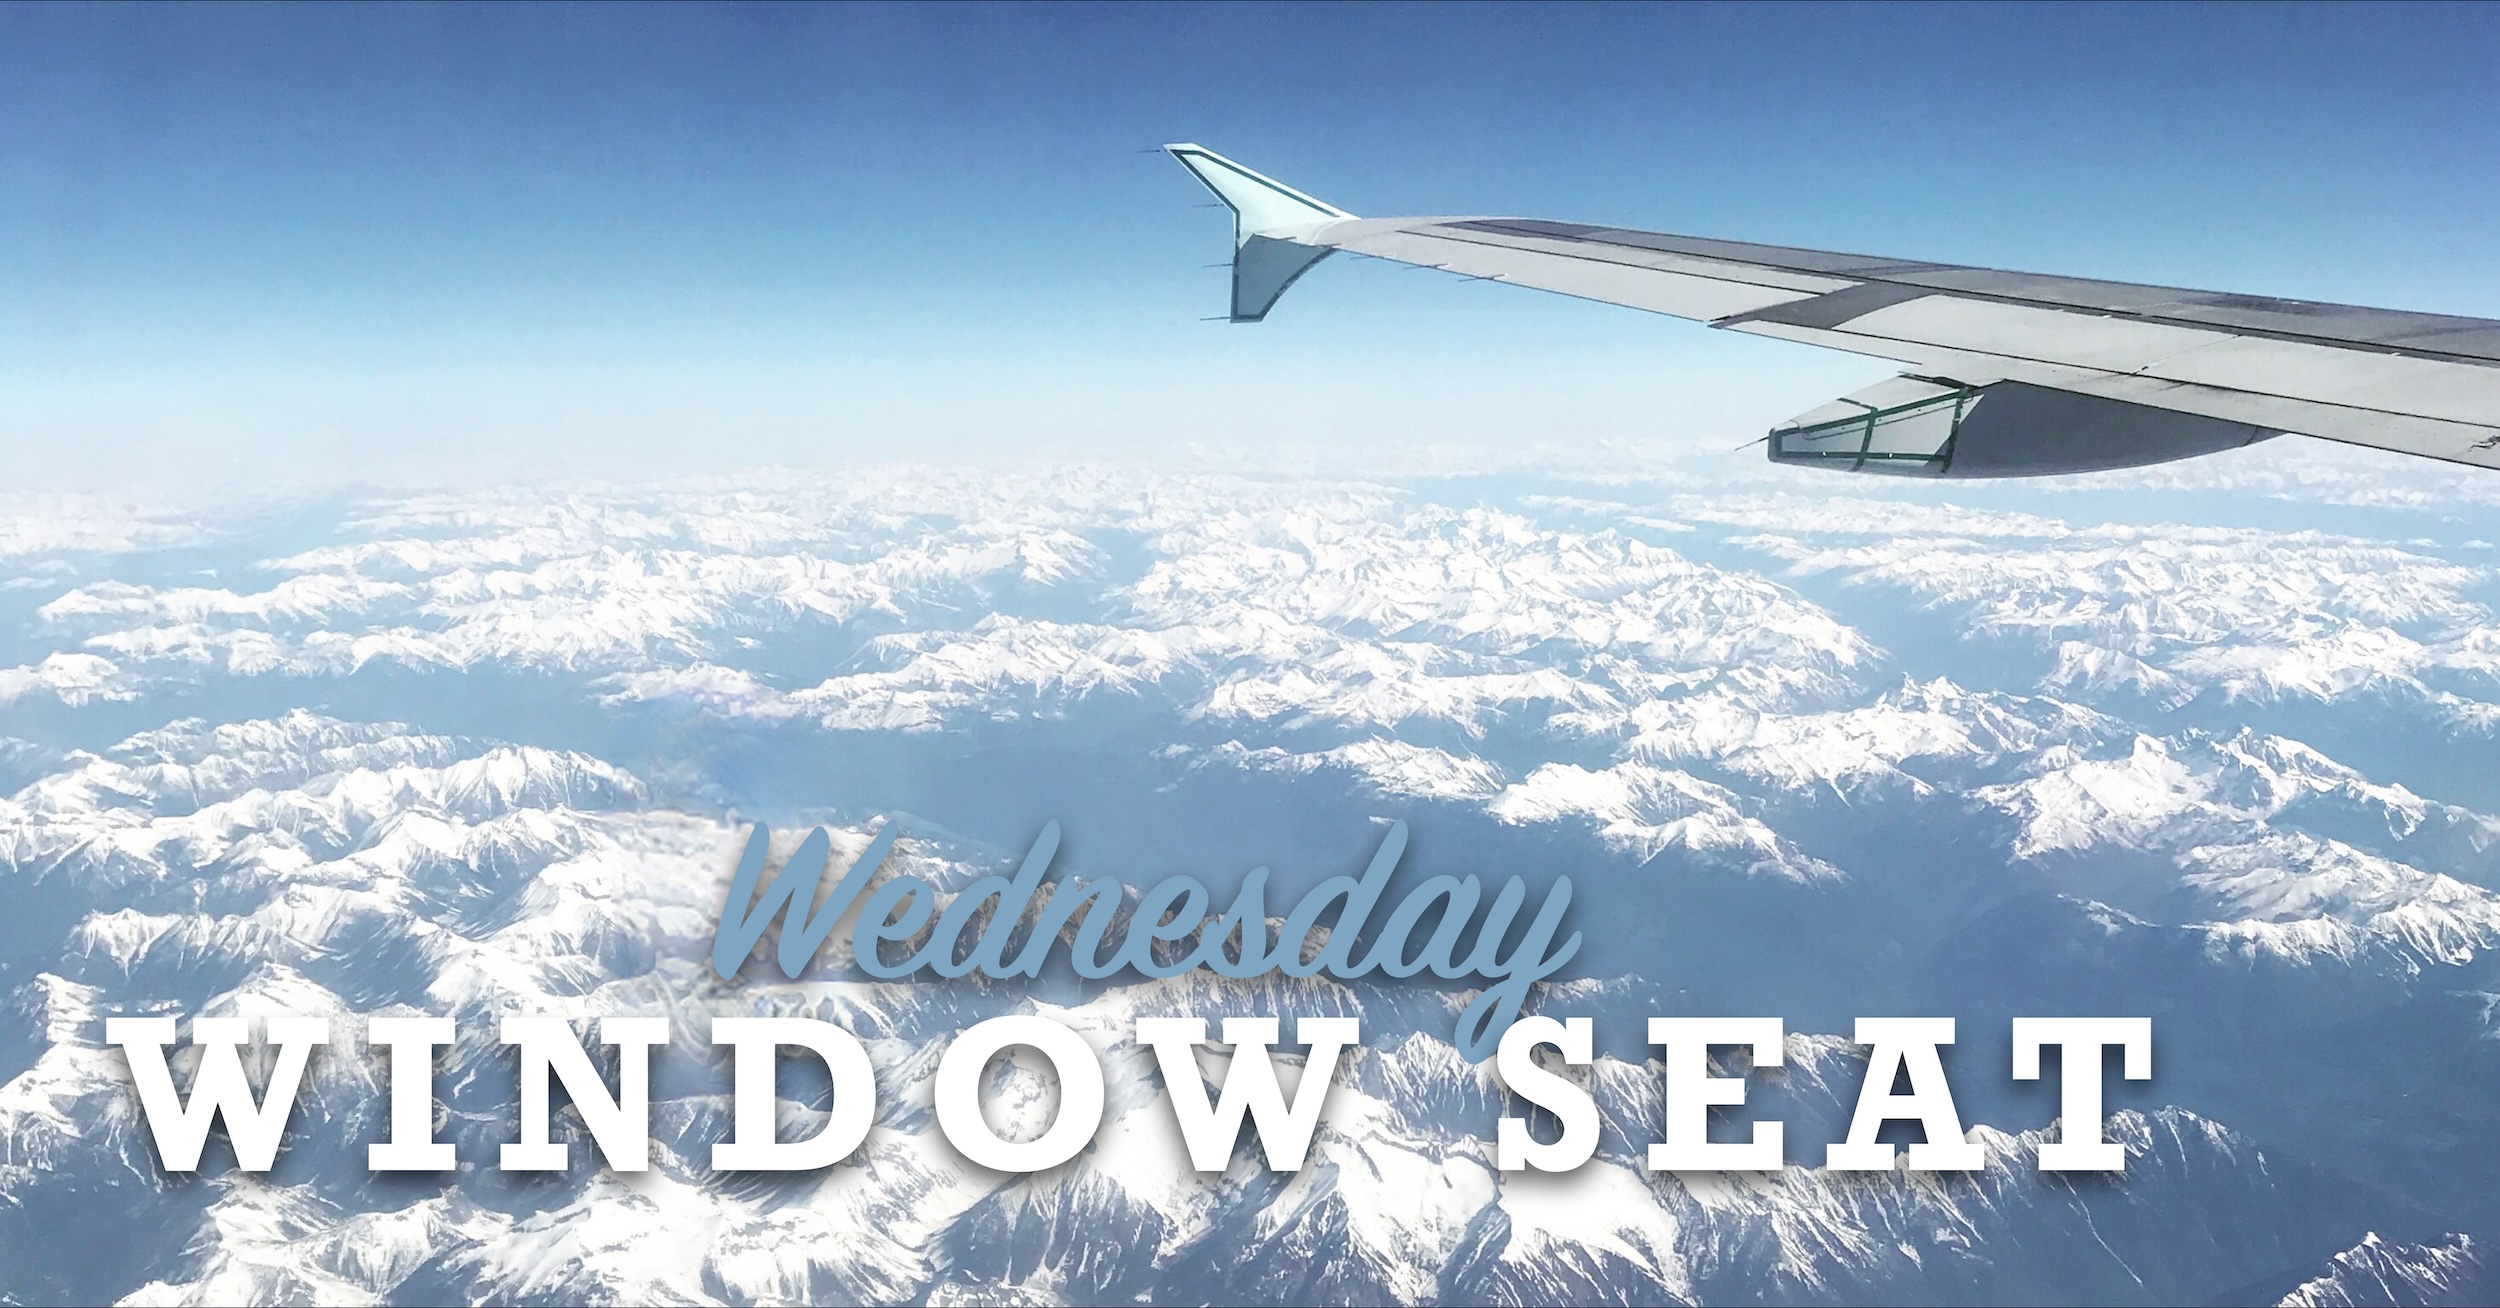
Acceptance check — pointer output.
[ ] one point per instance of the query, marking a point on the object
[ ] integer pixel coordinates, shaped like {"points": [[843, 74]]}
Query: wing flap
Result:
{"points": [[2389, 382], [1928, 331], [2015, 331]]}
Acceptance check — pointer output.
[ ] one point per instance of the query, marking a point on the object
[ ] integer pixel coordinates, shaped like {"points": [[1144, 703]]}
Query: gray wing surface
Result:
{"points": [[2424, 384]]}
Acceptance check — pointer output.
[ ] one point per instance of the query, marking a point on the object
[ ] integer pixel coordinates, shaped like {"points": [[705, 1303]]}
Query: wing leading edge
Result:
{"points": [[2008, 373]]}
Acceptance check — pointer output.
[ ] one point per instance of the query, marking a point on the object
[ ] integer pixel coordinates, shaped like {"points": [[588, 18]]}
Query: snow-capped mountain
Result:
{"points": [[2374, 1272], [2145, 745]]}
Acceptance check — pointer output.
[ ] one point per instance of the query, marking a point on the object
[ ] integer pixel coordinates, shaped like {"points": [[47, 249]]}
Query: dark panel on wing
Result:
{"points": [[1833, 308]]}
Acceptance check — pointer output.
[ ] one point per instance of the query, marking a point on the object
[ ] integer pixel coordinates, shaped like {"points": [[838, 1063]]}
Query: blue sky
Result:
{"points": [[305, 244]]}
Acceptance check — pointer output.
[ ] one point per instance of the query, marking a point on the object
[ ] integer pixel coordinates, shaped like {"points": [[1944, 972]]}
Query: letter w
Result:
{"points": [[792, 891], [1249, 1087], [219, 1088]]}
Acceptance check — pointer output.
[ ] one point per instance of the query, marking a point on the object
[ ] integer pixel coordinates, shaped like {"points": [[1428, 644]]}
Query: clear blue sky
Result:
{"points": [[309, 243]]}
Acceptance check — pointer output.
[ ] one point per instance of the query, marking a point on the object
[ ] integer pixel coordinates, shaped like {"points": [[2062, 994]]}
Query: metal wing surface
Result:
{"points": [[2419, 383]]}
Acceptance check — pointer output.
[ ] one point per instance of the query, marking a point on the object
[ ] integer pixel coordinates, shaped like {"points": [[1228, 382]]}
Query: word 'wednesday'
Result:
{"points": [[1171, 912], [619, 1121]]}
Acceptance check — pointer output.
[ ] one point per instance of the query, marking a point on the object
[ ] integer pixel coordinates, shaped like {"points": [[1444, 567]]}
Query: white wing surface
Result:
{"points": [[2007, 373]]}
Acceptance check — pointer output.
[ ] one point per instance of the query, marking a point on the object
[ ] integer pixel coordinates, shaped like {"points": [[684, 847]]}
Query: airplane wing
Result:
{"points": [[2008, 374]]}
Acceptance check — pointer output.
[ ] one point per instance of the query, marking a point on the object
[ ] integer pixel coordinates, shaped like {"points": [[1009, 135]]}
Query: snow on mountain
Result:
{"points": [[74, 679], [1644, 810], [2144, 590], [55, 523], [1858, 750], [2299, 897], [2164, 612], [2250, 827], [1578, 677], [309, 865], [1346, 606], [2376, 1272], [1807, 754], [2096, 672], [1389, 766], [2072, 801], [583, 587], [1364, 620]]}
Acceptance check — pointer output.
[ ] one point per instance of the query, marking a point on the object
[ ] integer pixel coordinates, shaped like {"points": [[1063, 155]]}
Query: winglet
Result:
{"points": [[1271, 224]]}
